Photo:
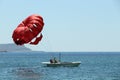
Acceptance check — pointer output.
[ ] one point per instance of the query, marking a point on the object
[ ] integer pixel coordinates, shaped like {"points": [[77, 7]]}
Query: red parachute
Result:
{"points": [[28, 30]]}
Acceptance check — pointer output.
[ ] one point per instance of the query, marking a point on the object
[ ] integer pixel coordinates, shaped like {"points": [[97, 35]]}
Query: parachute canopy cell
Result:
{"points": [[29, 30]]}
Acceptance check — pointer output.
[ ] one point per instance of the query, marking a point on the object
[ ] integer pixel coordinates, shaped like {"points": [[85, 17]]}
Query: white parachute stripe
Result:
{"points": [[35, 37], [18, 39], [35, 25], [31, 30]]}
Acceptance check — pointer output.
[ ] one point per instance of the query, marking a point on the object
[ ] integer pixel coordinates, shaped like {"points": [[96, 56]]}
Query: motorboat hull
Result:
{"points": [[64, 64]]}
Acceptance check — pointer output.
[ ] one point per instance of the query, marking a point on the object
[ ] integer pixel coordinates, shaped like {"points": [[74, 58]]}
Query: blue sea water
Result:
{"points": [[27, 66]]}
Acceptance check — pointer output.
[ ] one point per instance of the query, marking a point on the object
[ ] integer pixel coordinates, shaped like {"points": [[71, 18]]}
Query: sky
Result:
{"points": [[70, 25]]}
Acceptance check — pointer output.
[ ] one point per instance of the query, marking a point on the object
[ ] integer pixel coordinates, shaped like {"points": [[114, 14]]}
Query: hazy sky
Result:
{"points": [[70, 25]]}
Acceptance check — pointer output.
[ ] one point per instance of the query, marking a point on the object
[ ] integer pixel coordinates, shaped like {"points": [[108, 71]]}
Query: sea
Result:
{"points": [[27, 66]]}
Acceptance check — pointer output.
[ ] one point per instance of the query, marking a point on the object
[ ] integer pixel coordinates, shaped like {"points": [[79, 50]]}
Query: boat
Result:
{"points": [[63, 64], [57, 63]]}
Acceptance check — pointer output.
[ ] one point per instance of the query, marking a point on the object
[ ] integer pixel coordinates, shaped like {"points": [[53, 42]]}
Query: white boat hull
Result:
{"points": [[64, 64]]}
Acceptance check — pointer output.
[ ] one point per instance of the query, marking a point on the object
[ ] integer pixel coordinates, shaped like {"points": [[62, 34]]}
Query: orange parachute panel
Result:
{"points": [[29, 29]]}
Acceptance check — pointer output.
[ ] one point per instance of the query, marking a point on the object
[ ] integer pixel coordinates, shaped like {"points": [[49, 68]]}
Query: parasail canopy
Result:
{"points": [[29, 30]]}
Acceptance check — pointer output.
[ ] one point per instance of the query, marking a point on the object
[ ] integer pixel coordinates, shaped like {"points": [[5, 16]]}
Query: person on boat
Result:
{"points": [[51, 61], [55, 60]]}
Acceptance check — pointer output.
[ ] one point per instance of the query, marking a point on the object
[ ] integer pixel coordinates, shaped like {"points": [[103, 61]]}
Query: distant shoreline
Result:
{"points": [[3, 51], [11, 47]]}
